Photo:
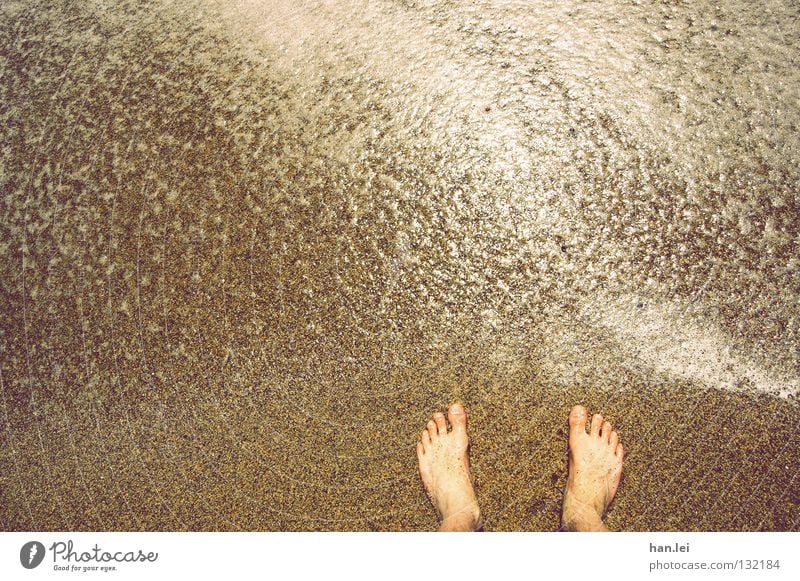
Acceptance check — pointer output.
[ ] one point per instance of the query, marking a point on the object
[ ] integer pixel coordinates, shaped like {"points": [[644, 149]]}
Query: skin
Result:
{"points": [[444, 468], [595, 469]]}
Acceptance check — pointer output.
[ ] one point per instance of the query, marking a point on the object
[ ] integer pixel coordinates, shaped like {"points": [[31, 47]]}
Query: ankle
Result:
{"points": [[467, 519], [586, 520]]}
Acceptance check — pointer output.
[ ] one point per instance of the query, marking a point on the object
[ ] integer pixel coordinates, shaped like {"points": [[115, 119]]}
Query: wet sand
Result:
{"points": [[249, 248]]}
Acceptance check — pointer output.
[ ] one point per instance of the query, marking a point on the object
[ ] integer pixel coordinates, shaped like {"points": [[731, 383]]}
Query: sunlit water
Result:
{"points": [[511, 162]]}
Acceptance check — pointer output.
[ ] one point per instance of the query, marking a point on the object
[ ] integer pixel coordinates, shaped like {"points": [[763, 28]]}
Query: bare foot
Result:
{"points": [[595, 468], [444, 467]]}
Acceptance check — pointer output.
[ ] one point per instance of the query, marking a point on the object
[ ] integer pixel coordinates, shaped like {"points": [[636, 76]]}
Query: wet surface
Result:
{"points": [[248, 248]]}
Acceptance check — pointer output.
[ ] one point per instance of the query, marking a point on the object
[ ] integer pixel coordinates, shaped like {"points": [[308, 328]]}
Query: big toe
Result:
{"points": [[458, 417], [577, 421]]}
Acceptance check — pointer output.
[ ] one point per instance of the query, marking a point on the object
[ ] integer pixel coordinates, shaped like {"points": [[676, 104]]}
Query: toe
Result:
{"points": [[441, 424], [614, 440], [426, 439], [577, 421], [597, 423], [620, 452], [433, 430], [458, 417], [605, 431], [420, 451]]}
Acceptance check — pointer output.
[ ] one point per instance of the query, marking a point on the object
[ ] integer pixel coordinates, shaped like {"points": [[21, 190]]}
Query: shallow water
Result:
{"points": [[272, 237], [511, 160]]}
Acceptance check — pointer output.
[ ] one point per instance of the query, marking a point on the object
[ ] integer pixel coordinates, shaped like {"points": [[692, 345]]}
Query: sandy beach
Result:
{"points": [[248, 248]]}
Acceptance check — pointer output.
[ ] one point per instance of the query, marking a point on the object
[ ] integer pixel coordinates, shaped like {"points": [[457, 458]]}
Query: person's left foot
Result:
{"points": [[444, 468]]}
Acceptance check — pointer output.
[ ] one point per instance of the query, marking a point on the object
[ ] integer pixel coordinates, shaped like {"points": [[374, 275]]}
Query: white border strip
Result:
{"points": [[406, 556]]}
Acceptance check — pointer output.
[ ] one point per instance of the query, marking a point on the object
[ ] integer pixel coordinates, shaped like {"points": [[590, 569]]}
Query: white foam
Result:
{"points": [[671, 341]]}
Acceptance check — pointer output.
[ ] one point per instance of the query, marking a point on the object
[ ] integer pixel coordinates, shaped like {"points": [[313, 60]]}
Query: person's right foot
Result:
{"points": [[595, 469]]}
